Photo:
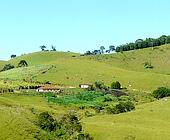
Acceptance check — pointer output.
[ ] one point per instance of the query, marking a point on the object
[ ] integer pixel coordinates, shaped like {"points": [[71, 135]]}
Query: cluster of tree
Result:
{"points": [[28, 87], [6, 90], [22, 63], [121, 107], [44, 48], [161, 92], [140, 43], [100, 51], [101, 86], [68, 127]]}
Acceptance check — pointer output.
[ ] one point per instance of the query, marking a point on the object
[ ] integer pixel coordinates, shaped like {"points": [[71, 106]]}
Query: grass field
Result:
{"points": [[134, 60], [128, 68], [149, 121]]}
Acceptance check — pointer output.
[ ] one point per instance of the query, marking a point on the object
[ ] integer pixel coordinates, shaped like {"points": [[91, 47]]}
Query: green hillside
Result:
{"points": [[148, 121], [134, 60], [44, 57], [71, 69]]}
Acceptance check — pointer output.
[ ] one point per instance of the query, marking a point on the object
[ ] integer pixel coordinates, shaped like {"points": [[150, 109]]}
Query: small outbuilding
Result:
{"points": [[48, 89], [85, 86]]}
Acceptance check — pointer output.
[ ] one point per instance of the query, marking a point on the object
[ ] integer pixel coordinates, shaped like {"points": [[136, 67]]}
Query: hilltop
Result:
{"points": [[71, 69]]}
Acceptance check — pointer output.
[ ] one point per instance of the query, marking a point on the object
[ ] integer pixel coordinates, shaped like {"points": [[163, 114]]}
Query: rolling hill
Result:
{"points": [[71, 69], [149, 121]]}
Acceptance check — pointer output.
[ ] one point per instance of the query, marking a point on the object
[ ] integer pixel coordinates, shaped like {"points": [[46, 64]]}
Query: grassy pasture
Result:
{"points": [[128, 68], [148, 121], [73, 72], [134, 60]]}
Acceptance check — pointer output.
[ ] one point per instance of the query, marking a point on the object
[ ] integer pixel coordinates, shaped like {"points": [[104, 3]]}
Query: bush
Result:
{"points": [[161, 92], [124, 107], [66, 127], [115, 85], [148, 65], [46, 122], [120, 107], [7, 67], [83, 136], [99, 84]]}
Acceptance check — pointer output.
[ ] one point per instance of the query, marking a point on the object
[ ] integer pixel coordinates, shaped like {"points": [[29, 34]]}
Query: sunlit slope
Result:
{"points": [[134, 60], [44, 57], [148, 122], [72, 72], [18, 115], [71, 69]]}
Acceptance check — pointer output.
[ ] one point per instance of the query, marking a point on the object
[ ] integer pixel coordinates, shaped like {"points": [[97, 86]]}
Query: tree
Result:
{"points": [[100, 85], [107, 51], [139, 44], [95, 52], [13, 56], [53, 48], [46, 121], [162, 39], [88, 53], [167, 40], [102, 48], [115, 85], [43, 47], [8, 67], [22, 63], [156, 42], [112, 48]]}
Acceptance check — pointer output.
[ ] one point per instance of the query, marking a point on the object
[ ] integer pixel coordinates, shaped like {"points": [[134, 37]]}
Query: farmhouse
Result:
{"points": [[48, 89], [85, 86]]}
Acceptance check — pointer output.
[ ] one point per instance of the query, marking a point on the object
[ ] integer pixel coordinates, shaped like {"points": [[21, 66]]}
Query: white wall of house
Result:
{"points": [[84, 86]]}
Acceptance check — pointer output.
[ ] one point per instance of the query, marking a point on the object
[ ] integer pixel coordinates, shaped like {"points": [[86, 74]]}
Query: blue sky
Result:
{"points": [[78, 25]]}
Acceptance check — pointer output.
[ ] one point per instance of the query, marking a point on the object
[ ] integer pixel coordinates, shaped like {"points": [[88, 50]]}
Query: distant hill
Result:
{"points": [[71, 69], [134, 60]]}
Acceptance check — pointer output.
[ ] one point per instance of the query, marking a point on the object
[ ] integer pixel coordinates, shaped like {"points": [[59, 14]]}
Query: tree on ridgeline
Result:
{"points": [[111, 48], [140, 43], [162, 39], [13, 56], [53, 48], [167, 40], [102, 48], [43, 47]]}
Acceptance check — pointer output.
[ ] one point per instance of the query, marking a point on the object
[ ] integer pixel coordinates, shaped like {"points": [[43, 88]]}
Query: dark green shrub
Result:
{"points": [[7, 67], [83, 136], [115, 85], [148, 65], [124, 107], [46, 121], [161, 92], [70, 123], [99, 85], [67, 127], [22, 63], [121, 107]]}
